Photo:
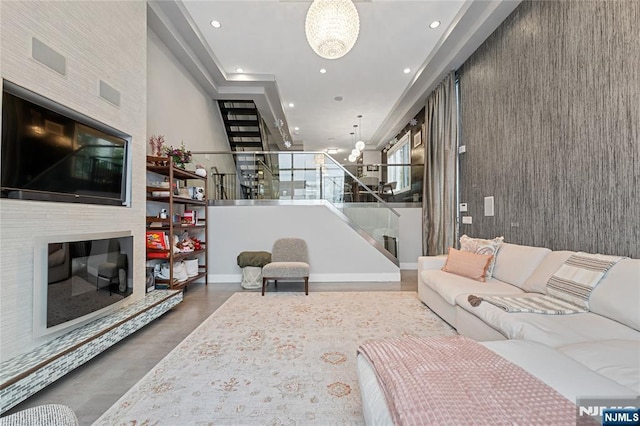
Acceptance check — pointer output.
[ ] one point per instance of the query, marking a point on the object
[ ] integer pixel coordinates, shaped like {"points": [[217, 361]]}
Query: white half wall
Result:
{"points": [[336, 251]]}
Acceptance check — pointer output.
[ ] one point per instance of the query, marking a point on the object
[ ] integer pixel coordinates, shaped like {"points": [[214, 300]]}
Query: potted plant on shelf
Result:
{"points": [[181, 156]]}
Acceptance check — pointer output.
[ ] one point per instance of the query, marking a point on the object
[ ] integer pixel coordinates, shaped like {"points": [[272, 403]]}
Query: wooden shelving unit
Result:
{"points": [[176, 205]]}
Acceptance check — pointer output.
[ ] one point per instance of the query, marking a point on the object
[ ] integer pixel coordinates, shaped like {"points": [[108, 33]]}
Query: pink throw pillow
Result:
{"points": [[468, 264], [480, 246]]}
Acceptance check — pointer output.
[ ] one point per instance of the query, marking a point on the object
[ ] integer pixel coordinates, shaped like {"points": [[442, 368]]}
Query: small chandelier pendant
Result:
{"points": [[332, 27]]}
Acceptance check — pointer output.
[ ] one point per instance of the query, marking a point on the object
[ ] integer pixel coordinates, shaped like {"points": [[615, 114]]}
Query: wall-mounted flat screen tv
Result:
{"points": [[52, 153]]}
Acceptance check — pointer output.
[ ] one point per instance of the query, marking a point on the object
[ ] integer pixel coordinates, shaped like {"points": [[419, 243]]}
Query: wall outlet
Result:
{"points": [[467, 220]]}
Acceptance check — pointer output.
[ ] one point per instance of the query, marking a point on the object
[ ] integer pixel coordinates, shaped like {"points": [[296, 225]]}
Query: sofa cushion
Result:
{"points": [[448, 286], [569, 377], [618, 293], [431, 262], [468, 264], [618, 360], [551, 330], [537, 282], [481, 246], [516, 263]]}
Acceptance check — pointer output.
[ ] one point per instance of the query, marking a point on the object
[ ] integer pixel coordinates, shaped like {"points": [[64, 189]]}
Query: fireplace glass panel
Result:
{"points": [[86, 276]]}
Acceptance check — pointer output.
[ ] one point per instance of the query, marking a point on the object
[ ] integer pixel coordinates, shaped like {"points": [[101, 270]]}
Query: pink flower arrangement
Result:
{"points": [[156, 143], [181, 155]]}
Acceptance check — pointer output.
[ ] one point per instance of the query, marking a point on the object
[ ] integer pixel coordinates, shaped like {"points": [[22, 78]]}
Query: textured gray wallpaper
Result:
{"points": [[550, 106]]}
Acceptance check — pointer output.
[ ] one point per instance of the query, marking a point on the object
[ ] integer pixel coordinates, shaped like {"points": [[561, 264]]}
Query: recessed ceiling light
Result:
{"points": [[338, 98], [291, 105], [407, 70], [434, 24], [332, 151], [215, 24], [296, 128], [239, 70], [331, 139], [323, 70]]}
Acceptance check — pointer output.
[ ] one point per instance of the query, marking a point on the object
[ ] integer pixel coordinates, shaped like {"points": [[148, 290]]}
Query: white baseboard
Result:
{"points": [[225, 278], [354, 277], [328, 278]]}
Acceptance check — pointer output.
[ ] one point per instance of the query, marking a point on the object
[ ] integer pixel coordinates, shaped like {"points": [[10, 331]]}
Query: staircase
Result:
{"points": [[245, 132], [242, 123]]}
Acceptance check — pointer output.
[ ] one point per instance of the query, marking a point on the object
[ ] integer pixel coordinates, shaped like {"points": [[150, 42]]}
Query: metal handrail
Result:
{"points": [[263, 175], [324, 154]]}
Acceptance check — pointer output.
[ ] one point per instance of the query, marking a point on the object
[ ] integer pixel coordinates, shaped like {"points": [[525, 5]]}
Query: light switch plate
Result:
{"points": [[462, 149], [463, 207], [467, 220]]}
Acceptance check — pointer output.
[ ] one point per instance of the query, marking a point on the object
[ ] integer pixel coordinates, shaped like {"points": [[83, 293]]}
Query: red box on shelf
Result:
{"points": [[158, 255], [157, 240], [189, 217]]}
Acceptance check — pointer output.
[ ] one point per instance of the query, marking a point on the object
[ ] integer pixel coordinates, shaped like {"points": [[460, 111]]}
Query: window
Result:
{"points": [[398, 159]]}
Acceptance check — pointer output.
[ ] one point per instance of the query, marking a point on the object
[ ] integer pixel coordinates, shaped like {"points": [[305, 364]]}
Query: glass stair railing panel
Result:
{"points": [[223, 182], [375, 217]]}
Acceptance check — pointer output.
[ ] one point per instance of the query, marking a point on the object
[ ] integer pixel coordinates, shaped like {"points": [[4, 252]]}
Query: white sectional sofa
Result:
{"points": [[606, 339], [595, 353]]}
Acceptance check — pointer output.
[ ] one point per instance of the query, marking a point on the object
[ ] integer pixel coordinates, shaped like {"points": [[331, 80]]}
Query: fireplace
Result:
{"points": [[79, 278]]}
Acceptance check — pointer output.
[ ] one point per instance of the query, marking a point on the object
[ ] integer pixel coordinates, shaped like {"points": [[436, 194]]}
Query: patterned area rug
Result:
{"points": [[281, 359]]}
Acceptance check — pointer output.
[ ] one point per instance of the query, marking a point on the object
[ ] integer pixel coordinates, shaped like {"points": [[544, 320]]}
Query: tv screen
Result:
{"points": [[52, 153]]}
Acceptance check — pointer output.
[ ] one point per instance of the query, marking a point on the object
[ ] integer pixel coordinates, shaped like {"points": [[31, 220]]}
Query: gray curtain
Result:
{"points": [[439, 229]]}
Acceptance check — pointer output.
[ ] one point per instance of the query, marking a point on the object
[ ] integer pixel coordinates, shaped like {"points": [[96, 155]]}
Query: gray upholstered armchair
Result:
{"points": [[289, 259]]}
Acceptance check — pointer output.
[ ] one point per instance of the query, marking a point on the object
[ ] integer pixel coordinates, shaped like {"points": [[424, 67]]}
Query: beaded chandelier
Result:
{"points": [[332, 27]]}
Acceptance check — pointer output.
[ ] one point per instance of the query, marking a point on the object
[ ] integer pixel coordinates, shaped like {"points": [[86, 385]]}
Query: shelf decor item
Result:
{"points": [[200, 170], [157, 143], [181, 156], [157, 240]]}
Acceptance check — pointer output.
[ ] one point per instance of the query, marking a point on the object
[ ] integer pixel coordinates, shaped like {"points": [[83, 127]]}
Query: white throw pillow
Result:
{"points": [[480, 246]]}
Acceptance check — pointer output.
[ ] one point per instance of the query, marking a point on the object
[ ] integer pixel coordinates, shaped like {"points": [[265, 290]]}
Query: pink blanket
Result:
{"points": [[457, 381]]}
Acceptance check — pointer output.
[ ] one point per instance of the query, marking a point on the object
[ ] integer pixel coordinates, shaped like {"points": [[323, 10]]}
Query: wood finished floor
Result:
{"points": [[95, 386]]}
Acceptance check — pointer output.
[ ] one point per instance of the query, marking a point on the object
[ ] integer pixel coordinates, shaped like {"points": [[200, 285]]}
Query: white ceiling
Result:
{"points": [[266, 39]]}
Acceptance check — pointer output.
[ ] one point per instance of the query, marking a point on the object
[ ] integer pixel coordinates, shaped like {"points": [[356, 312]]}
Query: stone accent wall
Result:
{"points": [[100, 41], [550, 106]]}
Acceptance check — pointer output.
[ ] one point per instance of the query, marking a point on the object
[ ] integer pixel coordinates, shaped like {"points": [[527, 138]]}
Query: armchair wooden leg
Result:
{"points": [[306, 286], [264, 284]]}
